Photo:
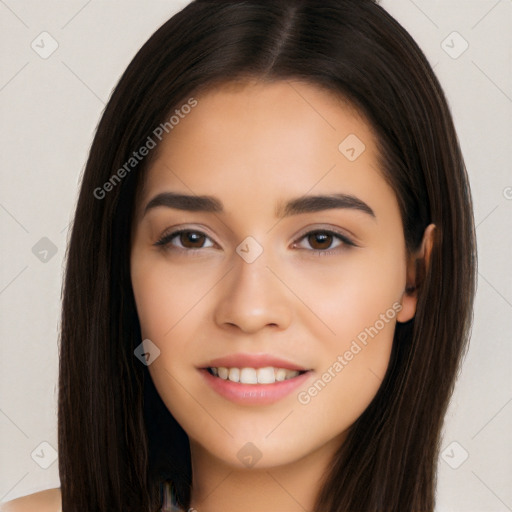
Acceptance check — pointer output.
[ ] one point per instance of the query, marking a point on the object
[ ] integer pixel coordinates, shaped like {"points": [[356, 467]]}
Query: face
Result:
{"points": [[266, 279]]}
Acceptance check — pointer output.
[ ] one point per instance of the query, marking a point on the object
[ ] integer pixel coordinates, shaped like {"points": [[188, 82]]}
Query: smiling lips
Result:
{"points": [[253, 378], [246, 375]]}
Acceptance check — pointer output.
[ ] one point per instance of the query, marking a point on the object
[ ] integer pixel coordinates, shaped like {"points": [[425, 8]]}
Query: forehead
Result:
{"points": [[267, 138]]}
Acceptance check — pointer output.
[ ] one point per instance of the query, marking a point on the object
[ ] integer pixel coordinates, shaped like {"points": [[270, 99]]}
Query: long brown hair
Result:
{"points": [[118, 443]]}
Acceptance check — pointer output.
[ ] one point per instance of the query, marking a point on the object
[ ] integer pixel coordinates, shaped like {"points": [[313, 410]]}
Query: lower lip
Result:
{"points": [[257, 394]]}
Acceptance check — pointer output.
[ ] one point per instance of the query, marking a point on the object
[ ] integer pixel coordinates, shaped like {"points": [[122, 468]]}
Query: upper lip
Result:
{"points": [[252, 361]]}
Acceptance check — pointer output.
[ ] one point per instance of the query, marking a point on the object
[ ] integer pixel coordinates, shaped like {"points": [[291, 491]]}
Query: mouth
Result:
{"points": [[252, 376], [249, 386]]}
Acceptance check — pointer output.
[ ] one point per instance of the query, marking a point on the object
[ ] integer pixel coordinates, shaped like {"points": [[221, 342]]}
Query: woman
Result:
{"points": [[271, 270]]}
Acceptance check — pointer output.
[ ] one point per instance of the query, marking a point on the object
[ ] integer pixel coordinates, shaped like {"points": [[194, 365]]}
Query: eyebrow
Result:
{"points": [[304, 204]]}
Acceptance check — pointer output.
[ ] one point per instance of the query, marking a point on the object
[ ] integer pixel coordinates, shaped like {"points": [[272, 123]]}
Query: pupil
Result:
{"points": [[191, 238], [322, 239]]}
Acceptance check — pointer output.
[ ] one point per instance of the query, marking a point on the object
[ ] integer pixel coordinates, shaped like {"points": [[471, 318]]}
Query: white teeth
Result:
{"points": [[234, 375], [248, 376], [267, 375], [280, 374]]}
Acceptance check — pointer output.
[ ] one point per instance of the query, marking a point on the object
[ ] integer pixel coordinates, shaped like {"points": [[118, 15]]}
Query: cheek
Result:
{"points": [[343, 391], [152, 298], [168, 307], [164, 297], [352, 363], [348, 294], [358, 302]]}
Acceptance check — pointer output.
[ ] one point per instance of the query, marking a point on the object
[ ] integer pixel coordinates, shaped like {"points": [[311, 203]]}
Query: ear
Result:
{"points": [[417, 266]]}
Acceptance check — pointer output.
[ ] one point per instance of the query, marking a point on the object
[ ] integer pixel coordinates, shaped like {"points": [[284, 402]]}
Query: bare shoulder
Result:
{"points": [[44, 501]]}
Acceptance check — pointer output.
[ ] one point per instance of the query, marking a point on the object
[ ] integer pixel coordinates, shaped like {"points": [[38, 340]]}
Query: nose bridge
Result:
{"points": [[252, 296]]}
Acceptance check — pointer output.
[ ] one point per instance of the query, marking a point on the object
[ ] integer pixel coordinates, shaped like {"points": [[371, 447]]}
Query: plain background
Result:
{"points": [[50, 108]]}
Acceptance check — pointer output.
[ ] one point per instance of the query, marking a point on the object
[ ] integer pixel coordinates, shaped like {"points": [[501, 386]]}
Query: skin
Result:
{"points": [[253, 146], [44, 501]]}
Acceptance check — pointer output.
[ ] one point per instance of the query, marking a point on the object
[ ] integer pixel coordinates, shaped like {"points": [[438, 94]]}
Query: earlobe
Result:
{"points": [[417, 267]]}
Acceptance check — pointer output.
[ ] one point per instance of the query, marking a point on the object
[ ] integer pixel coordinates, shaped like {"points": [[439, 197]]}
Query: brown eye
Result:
{"points": [[324, 242], [320, 240], [192, 239], [185, 239]]}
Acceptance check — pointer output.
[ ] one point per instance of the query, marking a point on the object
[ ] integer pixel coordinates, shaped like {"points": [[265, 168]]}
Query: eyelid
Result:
{"points": [[170, 233], [345, 238]]}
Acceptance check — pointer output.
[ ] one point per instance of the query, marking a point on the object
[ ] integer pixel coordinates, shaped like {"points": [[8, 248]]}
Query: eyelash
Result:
{"points": [[165, 241]]}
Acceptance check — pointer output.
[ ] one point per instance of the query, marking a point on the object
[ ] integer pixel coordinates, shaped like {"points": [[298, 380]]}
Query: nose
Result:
{"points": [[252, 298]]}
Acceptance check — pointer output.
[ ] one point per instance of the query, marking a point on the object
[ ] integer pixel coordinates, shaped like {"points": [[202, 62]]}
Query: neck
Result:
{"points": [[292, 487]]}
